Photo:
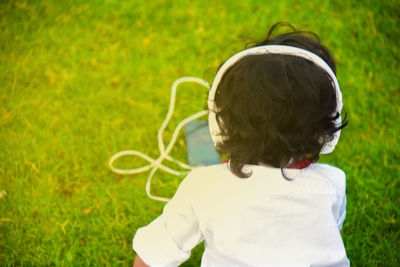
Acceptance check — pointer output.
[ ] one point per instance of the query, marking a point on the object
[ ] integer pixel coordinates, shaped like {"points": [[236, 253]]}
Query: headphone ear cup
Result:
{"points": [[210, 104], [215, 130], [330, 146]]}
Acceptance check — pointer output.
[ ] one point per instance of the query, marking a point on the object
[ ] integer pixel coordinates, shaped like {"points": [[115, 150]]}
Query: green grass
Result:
{"points": [[80, 81]]}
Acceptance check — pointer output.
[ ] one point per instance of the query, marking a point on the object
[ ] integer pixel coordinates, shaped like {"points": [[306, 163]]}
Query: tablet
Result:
{"points": [[200, 147]]}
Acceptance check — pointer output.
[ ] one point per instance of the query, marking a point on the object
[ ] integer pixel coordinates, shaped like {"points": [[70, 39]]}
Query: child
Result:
{"points": [[273, 109]]}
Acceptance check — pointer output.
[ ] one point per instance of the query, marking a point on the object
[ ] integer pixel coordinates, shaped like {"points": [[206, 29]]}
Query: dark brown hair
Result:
{"points": [[274, 109]]}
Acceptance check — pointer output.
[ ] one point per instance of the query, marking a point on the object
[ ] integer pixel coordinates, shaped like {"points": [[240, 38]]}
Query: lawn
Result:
{"points": [[82, 80]]}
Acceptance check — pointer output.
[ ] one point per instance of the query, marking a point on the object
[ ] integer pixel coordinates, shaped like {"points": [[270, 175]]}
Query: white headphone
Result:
{"points": [[272, 49], [155, 164]]}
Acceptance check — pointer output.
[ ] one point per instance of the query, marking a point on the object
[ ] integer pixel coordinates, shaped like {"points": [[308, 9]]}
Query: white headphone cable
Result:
{"points": [[157, 164]]}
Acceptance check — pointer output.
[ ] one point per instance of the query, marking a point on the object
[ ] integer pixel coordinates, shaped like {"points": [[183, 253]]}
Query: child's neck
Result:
{"points": [[293, 165], [301, 164]]}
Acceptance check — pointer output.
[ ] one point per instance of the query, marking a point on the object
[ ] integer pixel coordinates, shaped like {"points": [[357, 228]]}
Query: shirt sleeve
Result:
{"points": [[169, 239], [342, 204], [342, 212]]}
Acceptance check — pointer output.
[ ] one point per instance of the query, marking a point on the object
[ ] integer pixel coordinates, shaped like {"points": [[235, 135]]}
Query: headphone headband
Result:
{"points": [[272, 49]]}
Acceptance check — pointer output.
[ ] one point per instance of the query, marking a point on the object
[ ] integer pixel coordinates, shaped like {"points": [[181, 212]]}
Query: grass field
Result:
{"points": [[82, 80]]}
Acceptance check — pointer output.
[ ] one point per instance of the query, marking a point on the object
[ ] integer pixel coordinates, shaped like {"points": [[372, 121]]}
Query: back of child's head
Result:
{"points": [[277, 109]]}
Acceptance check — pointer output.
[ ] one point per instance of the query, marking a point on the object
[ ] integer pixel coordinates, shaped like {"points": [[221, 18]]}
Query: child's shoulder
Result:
{"points": [[204, 176], [208, 172], [333, 173], [327, 168]]}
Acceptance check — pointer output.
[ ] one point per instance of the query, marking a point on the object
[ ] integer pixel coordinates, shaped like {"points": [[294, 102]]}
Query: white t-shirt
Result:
{"points": [[263, 220]]}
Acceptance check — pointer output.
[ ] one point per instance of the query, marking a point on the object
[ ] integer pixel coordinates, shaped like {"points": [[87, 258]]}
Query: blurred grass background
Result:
{"points": [[82, 80]]}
